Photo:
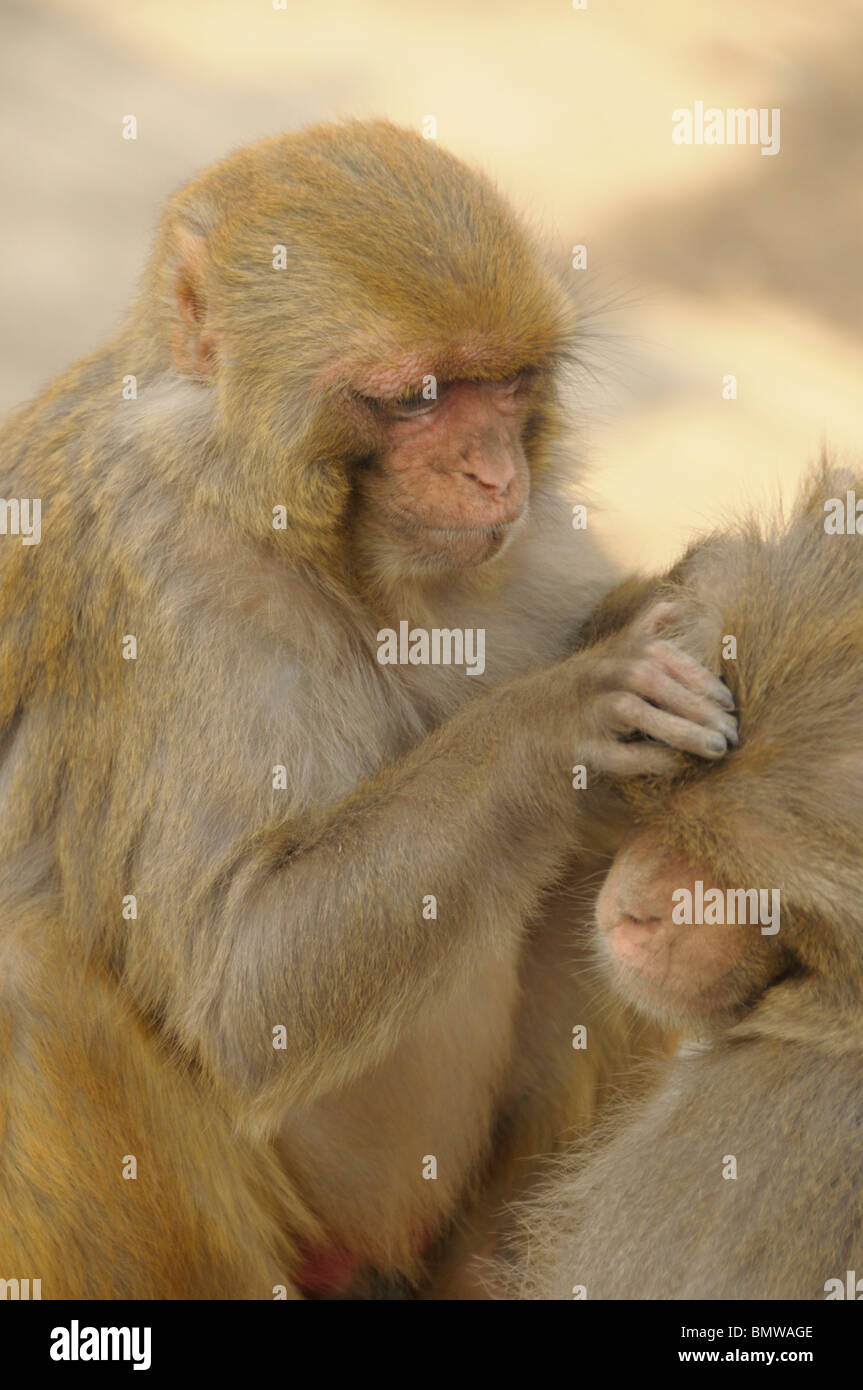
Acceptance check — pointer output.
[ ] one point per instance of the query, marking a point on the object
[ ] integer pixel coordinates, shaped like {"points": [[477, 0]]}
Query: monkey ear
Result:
{"points": [[193, 345]]}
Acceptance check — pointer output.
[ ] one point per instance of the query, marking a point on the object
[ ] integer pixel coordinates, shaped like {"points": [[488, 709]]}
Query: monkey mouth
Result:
{"points": [[436, 547], [461, 547], [456, 535]]}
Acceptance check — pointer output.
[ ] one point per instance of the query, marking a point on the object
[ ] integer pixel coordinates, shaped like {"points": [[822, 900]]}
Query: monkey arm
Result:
{"points": [[320, 928]]}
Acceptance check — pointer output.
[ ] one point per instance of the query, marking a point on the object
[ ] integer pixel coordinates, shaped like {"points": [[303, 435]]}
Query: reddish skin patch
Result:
{"points": [[454, 478], [328, 1269], [332, 1268]]}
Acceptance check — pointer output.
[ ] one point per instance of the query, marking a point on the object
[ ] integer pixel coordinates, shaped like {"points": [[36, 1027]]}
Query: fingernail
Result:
{"points": [[724, 696], [716, 743], [729, 728]]}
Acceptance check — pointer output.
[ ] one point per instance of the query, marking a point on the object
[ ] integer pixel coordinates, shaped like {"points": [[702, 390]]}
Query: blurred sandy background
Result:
{"points": [[706, 259]]}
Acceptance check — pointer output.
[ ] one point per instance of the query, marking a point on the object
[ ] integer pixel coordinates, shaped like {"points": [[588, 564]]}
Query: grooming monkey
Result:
{"points": [[282, 925], [740, 1176]]}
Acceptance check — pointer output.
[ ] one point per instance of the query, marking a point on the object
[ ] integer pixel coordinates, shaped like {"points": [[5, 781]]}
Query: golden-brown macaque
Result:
{"points": [[271, 904], [734, 911]]}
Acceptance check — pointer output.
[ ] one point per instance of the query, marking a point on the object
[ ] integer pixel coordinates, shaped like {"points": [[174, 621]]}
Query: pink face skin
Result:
{"points": [[450, 480], [671, 969]]}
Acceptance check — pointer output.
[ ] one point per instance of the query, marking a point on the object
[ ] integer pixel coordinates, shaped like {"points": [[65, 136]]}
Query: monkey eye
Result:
{"points": [[513, 384], [410, 405], [406, 407]]}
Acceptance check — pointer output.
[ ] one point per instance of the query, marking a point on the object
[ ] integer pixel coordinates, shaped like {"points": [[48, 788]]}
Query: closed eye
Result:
{"points": [[512, 384], [408, 406]]}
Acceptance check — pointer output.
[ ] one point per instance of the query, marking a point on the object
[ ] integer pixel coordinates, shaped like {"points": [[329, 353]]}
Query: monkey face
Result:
{"points": [[677, 942], [447, 481]]}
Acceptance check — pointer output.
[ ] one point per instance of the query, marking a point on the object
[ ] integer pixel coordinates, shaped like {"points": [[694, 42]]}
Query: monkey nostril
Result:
{"points": [[493, 488], [628, 919], [481, 482]]}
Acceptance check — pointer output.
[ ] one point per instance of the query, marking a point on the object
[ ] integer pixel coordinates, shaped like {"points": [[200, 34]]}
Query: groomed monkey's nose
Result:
{"points": [[631, 916], [631, 920], [635, 938]]}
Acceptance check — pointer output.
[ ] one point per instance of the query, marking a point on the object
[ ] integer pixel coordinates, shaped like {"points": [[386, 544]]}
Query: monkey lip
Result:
{"points": [[483, 531], [641, 957], [465, 546]]}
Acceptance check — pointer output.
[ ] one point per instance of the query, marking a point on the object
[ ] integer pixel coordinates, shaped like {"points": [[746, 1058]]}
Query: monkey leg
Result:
{"points": [[120, 1177]]}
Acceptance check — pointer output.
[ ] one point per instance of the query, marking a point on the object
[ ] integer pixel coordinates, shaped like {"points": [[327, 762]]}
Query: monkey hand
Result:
{"points": [[648, 699]]}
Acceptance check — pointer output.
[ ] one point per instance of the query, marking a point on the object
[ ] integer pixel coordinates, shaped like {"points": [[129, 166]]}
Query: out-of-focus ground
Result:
{"points": [[703, 260]]}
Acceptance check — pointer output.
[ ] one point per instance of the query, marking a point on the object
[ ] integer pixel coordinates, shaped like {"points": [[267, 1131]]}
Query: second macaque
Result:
{"points": [[733, 912]]}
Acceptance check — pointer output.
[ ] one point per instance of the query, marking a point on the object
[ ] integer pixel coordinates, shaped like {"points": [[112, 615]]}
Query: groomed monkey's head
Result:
{"points": [[379, 337], [749, 874]]}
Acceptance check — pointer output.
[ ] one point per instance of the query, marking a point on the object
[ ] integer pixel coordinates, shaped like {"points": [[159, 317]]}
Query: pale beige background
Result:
{"points": [[704, 260]]}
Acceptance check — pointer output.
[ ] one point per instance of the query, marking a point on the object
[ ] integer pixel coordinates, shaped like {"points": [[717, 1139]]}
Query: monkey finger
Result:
{"points": [[690, 672], [653, 684], [631, 712]]}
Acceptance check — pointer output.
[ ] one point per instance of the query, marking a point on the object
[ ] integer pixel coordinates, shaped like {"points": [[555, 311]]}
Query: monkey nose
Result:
{"points": [[643, 943], [492, 487], [632, 920], [491, 478], [634, 938], [491, 470]]}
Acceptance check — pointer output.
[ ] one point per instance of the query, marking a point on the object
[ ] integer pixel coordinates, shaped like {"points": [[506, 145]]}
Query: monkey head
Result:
{"points": [[377, 340], [742, 883]]}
